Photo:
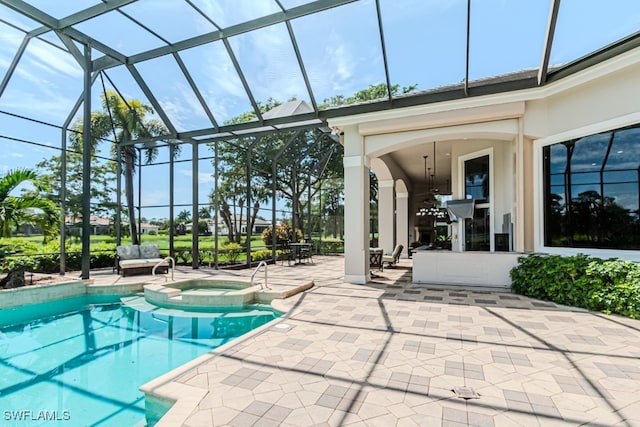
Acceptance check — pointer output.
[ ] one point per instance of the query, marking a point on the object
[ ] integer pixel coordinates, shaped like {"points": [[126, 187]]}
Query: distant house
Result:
{"points": [[146, 228], [259, 225], [99, 225]]}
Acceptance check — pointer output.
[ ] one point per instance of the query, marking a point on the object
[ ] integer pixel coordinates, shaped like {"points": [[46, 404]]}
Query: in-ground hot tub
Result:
{"points": [[194, 293]]}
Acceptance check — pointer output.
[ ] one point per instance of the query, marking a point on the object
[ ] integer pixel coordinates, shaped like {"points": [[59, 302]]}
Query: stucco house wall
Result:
{"points": [[515, 125]]}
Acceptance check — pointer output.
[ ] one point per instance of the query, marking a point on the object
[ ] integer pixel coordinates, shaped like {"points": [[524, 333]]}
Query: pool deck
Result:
{"points": [[392, 353]]}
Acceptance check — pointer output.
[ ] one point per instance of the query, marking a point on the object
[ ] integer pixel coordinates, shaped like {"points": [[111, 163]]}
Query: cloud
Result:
{"points": [[36, 105], [43, 83], [221, 72], [175, 110], [203, 177], [218, 81], [269, 62], [9, 42], [53, 60], [343, 63], [155, 198], [236, 11]]}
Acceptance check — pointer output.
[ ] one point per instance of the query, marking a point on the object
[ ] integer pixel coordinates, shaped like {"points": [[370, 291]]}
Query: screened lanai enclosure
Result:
{"points": [[135, 109]]}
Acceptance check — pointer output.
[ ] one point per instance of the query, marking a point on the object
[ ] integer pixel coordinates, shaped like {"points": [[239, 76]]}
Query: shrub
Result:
{"points": [[232, 250], [182, 254], [612, 286], [50, 262], [18, 245], [552, 277], [331, 247], [261, 255], [283, 232], [616, 287]]}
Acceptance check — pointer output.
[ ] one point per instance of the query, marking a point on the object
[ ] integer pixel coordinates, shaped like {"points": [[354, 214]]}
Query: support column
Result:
{"points": [[386, 210], [519, 193], [356, 209], [402, 223], [195, 248], [86, 167]]}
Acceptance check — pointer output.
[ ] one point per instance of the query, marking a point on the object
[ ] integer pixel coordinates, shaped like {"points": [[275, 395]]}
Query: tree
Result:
{"points": [[128, 120], [102, 177], [299, 167], [28, 208], [183, 216], [309, 159], [232, 192], [372, 93], [333, 206], [204, 212]]}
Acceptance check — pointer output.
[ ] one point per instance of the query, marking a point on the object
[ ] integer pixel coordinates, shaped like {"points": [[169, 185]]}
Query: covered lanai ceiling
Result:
{"points": [[200, 63]]}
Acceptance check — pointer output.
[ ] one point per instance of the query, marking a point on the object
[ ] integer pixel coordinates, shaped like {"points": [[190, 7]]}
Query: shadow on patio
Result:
{"points": [[389, 353]]}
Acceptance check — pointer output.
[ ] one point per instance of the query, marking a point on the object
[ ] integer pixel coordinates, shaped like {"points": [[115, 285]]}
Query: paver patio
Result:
{"points": [[392, 353]]}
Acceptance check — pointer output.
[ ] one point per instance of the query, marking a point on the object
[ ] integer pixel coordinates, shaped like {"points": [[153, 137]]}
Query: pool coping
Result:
{"points": [[185, 398], [167, 388]]}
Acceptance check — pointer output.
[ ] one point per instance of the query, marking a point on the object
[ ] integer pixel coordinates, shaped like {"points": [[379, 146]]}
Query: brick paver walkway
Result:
{"points": [[392, 353]]}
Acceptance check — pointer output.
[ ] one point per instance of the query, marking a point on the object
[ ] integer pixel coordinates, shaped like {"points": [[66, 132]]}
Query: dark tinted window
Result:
{"points": [[592, 191], [477, 179]]}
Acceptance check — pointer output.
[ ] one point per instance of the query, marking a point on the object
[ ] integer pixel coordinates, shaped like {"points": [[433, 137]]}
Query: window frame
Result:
{"points": [[618, 123]]}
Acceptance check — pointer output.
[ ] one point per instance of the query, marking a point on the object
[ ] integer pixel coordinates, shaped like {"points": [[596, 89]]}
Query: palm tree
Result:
{"points": [[127, 119], [28, 208]]}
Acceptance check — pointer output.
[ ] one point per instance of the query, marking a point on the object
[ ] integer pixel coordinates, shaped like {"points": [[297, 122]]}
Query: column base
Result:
{"points": [[357, 279]]}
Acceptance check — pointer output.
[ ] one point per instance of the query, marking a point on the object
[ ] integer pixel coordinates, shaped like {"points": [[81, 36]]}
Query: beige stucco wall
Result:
{"points": [[608, 97], [594, 100], [597, 100]]}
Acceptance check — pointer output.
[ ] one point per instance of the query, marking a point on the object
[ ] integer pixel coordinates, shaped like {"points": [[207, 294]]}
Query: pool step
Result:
{"points": [[160, 292]]}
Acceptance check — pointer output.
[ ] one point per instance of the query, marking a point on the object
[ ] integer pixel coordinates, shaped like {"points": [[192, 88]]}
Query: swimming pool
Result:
{"points": [[80, 361]]}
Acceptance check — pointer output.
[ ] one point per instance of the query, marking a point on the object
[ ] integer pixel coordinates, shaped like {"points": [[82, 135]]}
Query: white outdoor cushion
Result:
{"points": [[149, 251], [128, 252], [135, 263]]}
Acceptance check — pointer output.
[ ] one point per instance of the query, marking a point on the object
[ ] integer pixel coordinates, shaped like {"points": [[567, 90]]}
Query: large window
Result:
{"points": [[476, 174], [477, 230], [592, 191]]}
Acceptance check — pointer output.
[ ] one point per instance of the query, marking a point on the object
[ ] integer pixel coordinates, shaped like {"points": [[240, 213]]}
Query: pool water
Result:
{"points": [[80, 361]]}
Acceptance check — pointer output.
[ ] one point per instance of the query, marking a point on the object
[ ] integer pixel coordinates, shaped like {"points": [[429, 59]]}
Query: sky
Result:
{"points": [[341, 51]]}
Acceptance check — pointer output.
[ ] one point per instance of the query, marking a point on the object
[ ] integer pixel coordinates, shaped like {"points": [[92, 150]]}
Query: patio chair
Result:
{"points": [[375, 258], [285, 252], [393, 257], [306, 252]]}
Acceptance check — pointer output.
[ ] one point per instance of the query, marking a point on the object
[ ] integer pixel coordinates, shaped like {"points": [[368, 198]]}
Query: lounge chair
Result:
{"points": [[393, 257]]}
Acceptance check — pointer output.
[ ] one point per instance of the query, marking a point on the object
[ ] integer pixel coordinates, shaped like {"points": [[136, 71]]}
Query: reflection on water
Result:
{"points": [[88, 362]]}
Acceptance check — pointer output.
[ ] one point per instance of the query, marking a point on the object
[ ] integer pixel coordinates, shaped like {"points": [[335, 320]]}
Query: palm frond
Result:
{"points": [[13, 179]]}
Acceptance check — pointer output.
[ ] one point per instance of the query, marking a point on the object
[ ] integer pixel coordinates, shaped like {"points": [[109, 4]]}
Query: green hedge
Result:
{"points": [[611, 286], [50, 263], [261, 255]]}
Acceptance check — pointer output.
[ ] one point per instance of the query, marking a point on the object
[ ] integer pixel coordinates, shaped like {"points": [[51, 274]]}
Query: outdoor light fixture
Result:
{"points": [[432, 211]]}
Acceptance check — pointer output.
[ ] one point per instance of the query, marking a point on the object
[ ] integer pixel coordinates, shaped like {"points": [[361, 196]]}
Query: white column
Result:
{"points": [[356, 209], [402, 222], [519, 193], [386, 208]]}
